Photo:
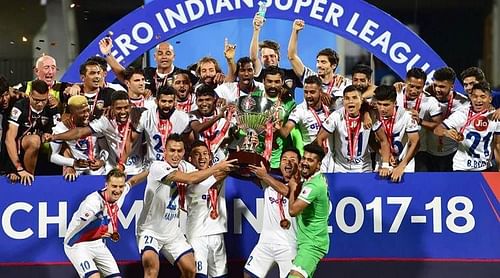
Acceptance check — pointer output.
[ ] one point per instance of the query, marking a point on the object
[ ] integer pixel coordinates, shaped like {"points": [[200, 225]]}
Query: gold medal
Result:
{"points": [[285, 224], [115, 236], [214, 214]]}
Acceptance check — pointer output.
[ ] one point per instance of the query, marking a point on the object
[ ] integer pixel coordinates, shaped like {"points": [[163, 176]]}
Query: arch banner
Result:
{"points": [[355, 20]]}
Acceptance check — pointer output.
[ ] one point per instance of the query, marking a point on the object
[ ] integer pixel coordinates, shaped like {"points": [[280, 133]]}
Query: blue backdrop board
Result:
{"points": [[437, 217], [369, 27]]}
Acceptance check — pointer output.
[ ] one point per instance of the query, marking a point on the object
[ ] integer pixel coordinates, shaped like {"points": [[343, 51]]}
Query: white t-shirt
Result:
{"points": [[160, 211], [476, 150], [109, 129], [306, 121], [79, 149], [337, 125], [403, 125], [188, 105], [448, 145], [337, 91], [428, 108], [148, 124], [271, 230], [213, 141], [148, 103], [199, 222], [91, 220], [231, 92]]}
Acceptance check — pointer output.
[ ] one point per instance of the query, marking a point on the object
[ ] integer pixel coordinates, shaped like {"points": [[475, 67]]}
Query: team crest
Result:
{"points": [[248, 104], [289, 83], [481, 123]]}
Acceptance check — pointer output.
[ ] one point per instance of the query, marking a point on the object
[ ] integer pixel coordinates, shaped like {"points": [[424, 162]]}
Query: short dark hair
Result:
{"points": [[291, 149], [182, 72], [273, 70], [352, 88], [101, 61], [445, 74], [4, 84], [483, 86], [166, 90], [313, 79], [40, 86], [119, 95], [130, 71], [199, 143], [416, 73], [385, 92], [363, 69], [473, 72], [242, 61], [205, 90], [83, 67], [315, 149], [331, 54], [174, 137], [115, 173]]}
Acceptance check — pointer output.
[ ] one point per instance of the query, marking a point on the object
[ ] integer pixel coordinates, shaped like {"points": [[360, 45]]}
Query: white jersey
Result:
{"points": [[306, 120], [160, 212], [109, 129], [271, 229], [428, 108], [445, 146], [231, 91], [475, 151], [80, 149], [148, 103], [361, 161], [148, 124], [91, 220], [198, 204], [188, 105], [403, 125], [213, 136], [334, 90]]}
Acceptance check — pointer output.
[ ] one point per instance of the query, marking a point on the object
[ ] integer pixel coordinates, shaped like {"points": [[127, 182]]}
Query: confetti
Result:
{"points": [[72, 5], [41, 40], [24, 39], [38, 48], [12, 42]]}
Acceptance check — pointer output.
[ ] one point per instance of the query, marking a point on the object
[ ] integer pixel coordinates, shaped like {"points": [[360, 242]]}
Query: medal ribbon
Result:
{"points": [[210, 132], [417, 102], [471, 118], [353, 127], [281, 199], [388, 127], [112, 213], [213, 194], [164, 127], [123, 130]]}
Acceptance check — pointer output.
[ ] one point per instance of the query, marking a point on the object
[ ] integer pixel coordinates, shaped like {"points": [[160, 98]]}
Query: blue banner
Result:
{"points": [[441, 216], [355, 20]]}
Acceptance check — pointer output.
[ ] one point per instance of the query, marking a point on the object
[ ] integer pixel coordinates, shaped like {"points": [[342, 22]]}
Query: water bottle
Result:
{"points": [[262, 8]]}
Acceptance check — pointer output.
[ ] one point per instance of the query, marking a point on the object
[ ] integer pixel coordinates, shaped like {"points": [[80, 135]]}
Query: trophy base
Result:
{"points": [[244, 160]]}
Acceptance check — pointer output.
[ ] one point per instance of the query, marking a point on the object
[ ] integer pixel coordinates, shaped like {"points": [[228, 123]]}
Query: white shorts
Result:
{"points": [[327, 164], [92, 257], [264, 255], [173, 248], [210, 255]]}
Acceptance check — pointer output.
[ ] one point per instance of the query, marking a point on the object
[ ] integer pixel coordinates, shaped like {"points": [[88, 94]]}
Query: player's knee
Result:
{"points": [[151, 264], [31, 142]]}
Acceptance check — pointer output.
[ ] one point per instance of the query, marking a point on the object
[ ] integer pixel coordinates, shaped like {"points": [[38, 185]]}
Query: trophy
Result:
{"points": [[256, 115]]}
